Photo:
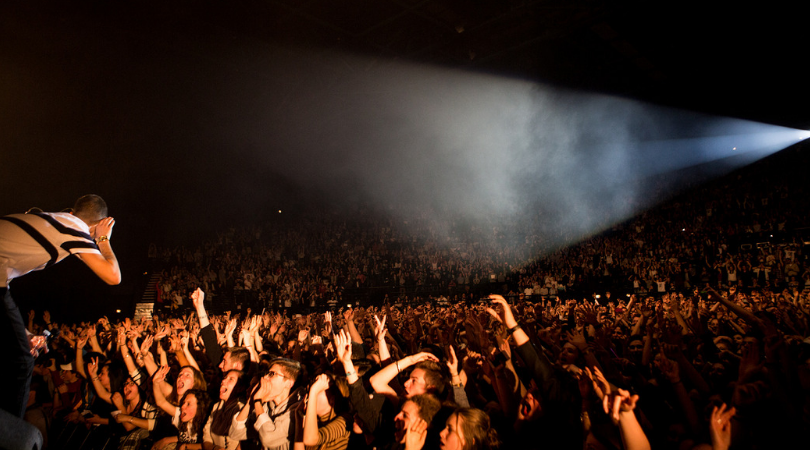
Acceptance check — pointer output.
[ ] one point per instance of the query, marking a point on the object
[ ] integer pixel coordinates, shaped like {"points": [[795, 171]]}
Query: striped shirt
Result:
{"points": [[332, 434], [30, 242]]}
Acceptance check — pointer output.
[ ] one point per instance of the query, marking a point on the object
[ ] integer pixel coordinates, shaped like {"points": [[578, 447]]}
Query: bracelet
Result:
{"points": [[513, 329], [397, 364], [352, 373], [101, 239], [96, 379], [203, 317]]}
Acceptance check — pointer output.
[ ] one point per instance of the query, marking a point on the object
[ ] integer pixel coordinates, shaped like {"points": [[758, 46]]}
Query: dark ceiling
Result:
{"points": [[710, 56]]}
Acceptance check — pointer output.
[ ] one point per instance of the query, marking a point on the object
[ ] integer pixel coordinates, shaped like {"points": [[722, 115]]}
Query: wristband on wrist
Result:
{"points": [[101, 239], [353, 372], [513, 329], [397, 364]]}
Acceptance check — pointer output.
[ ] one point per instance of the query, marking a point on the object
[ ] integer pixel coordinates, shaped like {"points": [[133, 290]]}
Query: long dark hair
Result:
{"points": [[221, 419], [202, 409]]}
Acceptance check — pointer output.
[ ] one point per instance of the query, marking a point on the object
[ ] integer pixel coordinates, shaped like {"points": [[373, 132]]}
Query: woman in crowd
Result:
{"points": [[188, 417], [134, 414], [325, 419], [469, 429], [231, 400]]}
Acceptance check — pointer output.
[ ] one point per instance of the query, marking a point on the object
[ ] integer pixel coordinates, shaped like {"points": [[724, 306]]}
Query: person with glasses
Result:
{"points": [[272, 401]]}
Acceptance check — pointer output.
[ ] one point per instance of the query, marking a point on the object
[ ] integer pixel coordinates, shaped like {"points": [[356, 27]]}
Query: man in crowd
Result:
{"points": [[36, 241]]}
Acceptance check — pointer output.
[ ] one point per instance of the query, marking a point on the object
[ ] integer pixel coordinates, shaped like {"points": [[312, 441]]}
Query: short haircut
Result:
{"points": [[289, 367], [241, 355], [90, 208], [428, 406], [435, 381]]}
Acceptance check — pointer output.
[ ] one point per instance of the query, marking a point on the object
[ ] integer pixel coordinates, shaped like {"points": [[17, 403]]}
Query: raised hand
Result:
{"points": [[81, 342], [379, 327], [162, 333], [92, 368], [423, 356], [589, 314], [508, 317], [160, 374], [348, 315], [197, 298], [452, 361], [617, 403], [320, 384], [146, 344], [577, 338], [327, 320], [343, 346], [231, 326], [601, 386], [720, 427]]}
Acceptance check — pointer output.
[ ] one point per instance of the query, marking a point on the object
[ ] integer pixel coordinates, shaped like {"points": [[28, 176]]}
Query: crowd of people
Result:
{"points": [[686, 327], [747, 233], [699, 369]]}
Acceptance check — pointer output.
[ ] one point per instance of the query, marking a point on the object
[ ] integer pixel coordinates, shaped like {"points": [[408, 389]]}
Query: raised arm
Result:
{"points": [[379, 381], [379, 333], [311, 436], [620, 408], [102, 392], [160, 398], [91, 336], [104, 265], [80, 342], [353, 333], [184, 344], [743, 313]]}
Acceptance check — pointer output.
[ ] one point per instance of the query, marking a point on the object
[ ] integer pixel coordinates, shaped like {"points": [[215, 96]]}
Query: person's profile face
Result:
{"points": [[451, 437], [415, 384]]}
